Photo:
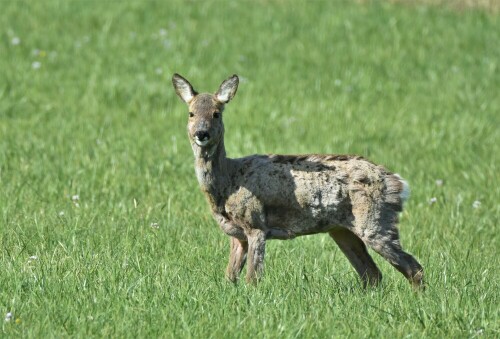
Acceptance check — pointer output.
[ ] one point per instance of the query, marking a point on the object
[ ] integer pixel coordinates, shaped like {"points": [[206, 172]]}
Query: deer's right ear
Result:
{"points": [[183, 88]]}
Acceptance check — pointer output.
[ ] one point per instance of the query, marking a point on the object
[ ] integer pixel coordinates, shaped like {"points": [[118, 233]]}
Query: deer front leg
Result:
{"points": [[237, 258], [256, 252], [228, 227]]}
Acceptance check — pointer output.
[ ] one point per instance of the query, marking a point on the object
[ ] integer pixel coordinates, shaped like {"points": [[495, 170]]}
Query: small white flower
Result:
{"points": [[158, 71], [33, 257], [61, 214], [76, 198], [439, 182], [15, 41], [432, 200], [36, 65], [476, 204], [155, 225], [8, 316]]}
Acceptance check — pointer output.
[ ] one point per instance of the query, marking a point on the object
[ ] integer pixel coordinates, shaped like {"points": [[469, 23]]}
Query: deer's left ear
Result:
{"points": [[183, 88], [227, 89]]}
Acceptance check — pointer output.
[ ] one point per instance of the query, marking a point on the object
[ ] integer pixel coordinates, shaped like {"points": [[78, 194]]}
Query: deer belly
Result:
{"points": [[311, 211], [303, 221]]}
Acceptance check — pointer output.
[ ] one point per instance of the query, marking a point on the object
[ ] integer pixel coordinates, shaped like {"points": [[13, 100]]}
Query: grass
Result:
{"points": [[104, 231]]}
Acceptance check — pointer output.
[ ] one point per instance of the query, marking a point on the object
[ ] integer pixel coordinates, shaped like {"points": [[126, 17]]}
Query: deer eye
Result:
{"points": [[216, 115], [191, 114]]}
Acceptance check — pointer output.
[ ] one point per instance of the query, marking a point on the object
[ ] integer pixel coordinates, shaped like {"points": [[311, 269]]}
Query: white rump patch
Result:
{"points": [[405, 192]]}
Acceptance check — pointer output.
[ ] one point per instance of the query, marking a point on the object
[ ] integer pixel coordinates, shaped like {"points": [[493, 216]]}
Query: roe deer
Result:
{"points": [[263, 197]]}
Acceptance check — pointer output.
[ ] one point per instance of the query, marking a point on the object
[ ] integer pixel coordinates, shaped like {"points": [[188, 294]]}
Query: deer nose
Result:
{"points": [[202, 135]]}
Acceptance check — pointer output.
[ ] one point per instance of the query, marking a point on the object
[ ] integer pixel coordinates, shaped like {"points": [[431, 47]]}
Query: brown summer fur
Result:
{"points": [[262, 197]]}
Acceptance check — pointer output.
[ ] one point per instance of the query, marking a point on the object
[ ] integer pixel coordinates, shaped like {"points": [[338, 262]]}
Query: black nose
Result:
{"points": [[202, 135]]}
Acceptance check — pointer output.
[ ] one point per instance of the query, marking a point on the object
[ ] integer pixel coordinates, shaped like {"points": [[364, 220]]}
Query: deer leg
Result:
{"points": [[384, 239], [355, 250], [237, 258], [229, 228], [256, 252], [402, 261], [377, 227]]}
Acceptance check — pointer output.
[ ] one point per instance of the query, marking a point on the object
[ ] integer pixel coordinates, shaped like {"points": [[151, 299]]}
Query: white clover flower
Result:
{"points": [[76, 198], [15, 41], [155, 225], [476, 204], [33, 257], [61, 214], [439, 182], [432, 200], [9, 316], [36, 65]]}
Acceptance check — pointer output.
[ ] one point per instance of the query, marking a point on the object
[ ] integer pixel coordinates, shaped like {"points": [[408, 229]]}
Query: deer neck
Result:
{"points": [[212, 171]]}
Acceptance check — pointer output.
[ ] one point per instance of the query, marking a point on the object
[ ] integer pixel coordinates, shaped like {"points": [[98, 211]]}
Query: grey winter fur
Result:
{"points": [[263, 197]]}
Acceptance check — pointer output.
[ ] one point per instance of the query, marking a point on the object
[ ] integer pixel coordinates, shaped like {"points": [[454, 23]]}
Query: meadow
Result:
{"points": [[104, 231]]}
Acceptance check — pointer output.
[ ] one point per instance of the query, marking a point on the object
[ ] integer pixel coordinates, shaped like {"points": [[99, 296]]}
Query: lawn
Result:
{"points": [[104, 231]]}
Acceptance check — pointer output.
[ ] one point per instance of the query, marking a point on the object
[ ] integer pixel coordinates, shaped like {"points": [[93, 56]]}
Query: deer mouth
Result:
{"points": [[201, 143], [202, 138]]}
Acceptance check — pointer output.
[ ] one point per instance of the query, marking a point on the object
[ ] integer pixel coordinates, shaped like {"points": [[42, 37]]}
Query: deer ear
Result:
{"points": [[183, 88], [227, 89]]}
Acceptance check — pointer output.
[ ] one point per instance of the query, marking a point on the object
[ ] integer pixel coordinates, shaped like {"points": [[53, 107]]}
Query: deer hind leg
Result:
{"points": [[390, 250], [355, 250], [382, 235], [237, 258], [256, 252]]}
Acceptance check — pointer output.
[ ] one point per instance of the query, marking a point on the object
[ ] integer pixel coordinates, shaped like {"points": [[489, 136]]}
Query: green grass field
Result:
{"points": [[104, 231]]}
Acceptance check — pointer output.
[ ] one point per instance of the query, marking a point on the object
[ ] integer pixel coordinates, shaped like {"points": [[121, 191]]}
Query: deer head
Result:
{"points": [[205, 126]]}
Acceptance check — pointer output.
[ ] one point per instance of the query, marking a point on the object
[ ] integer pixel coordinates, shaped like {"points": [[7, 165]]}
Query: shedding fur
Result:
{"points": [[263, 197]]}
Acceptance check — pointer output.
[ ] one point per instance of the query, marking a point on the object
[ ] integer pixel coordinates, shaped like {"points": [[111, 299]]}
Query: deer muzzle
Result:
{"points": [[201, 138]]}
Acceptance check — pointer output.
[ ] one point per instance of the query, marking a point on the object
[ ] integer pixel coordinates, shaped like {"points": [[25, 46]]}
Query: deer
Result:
{"points": [[263, 197]]}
